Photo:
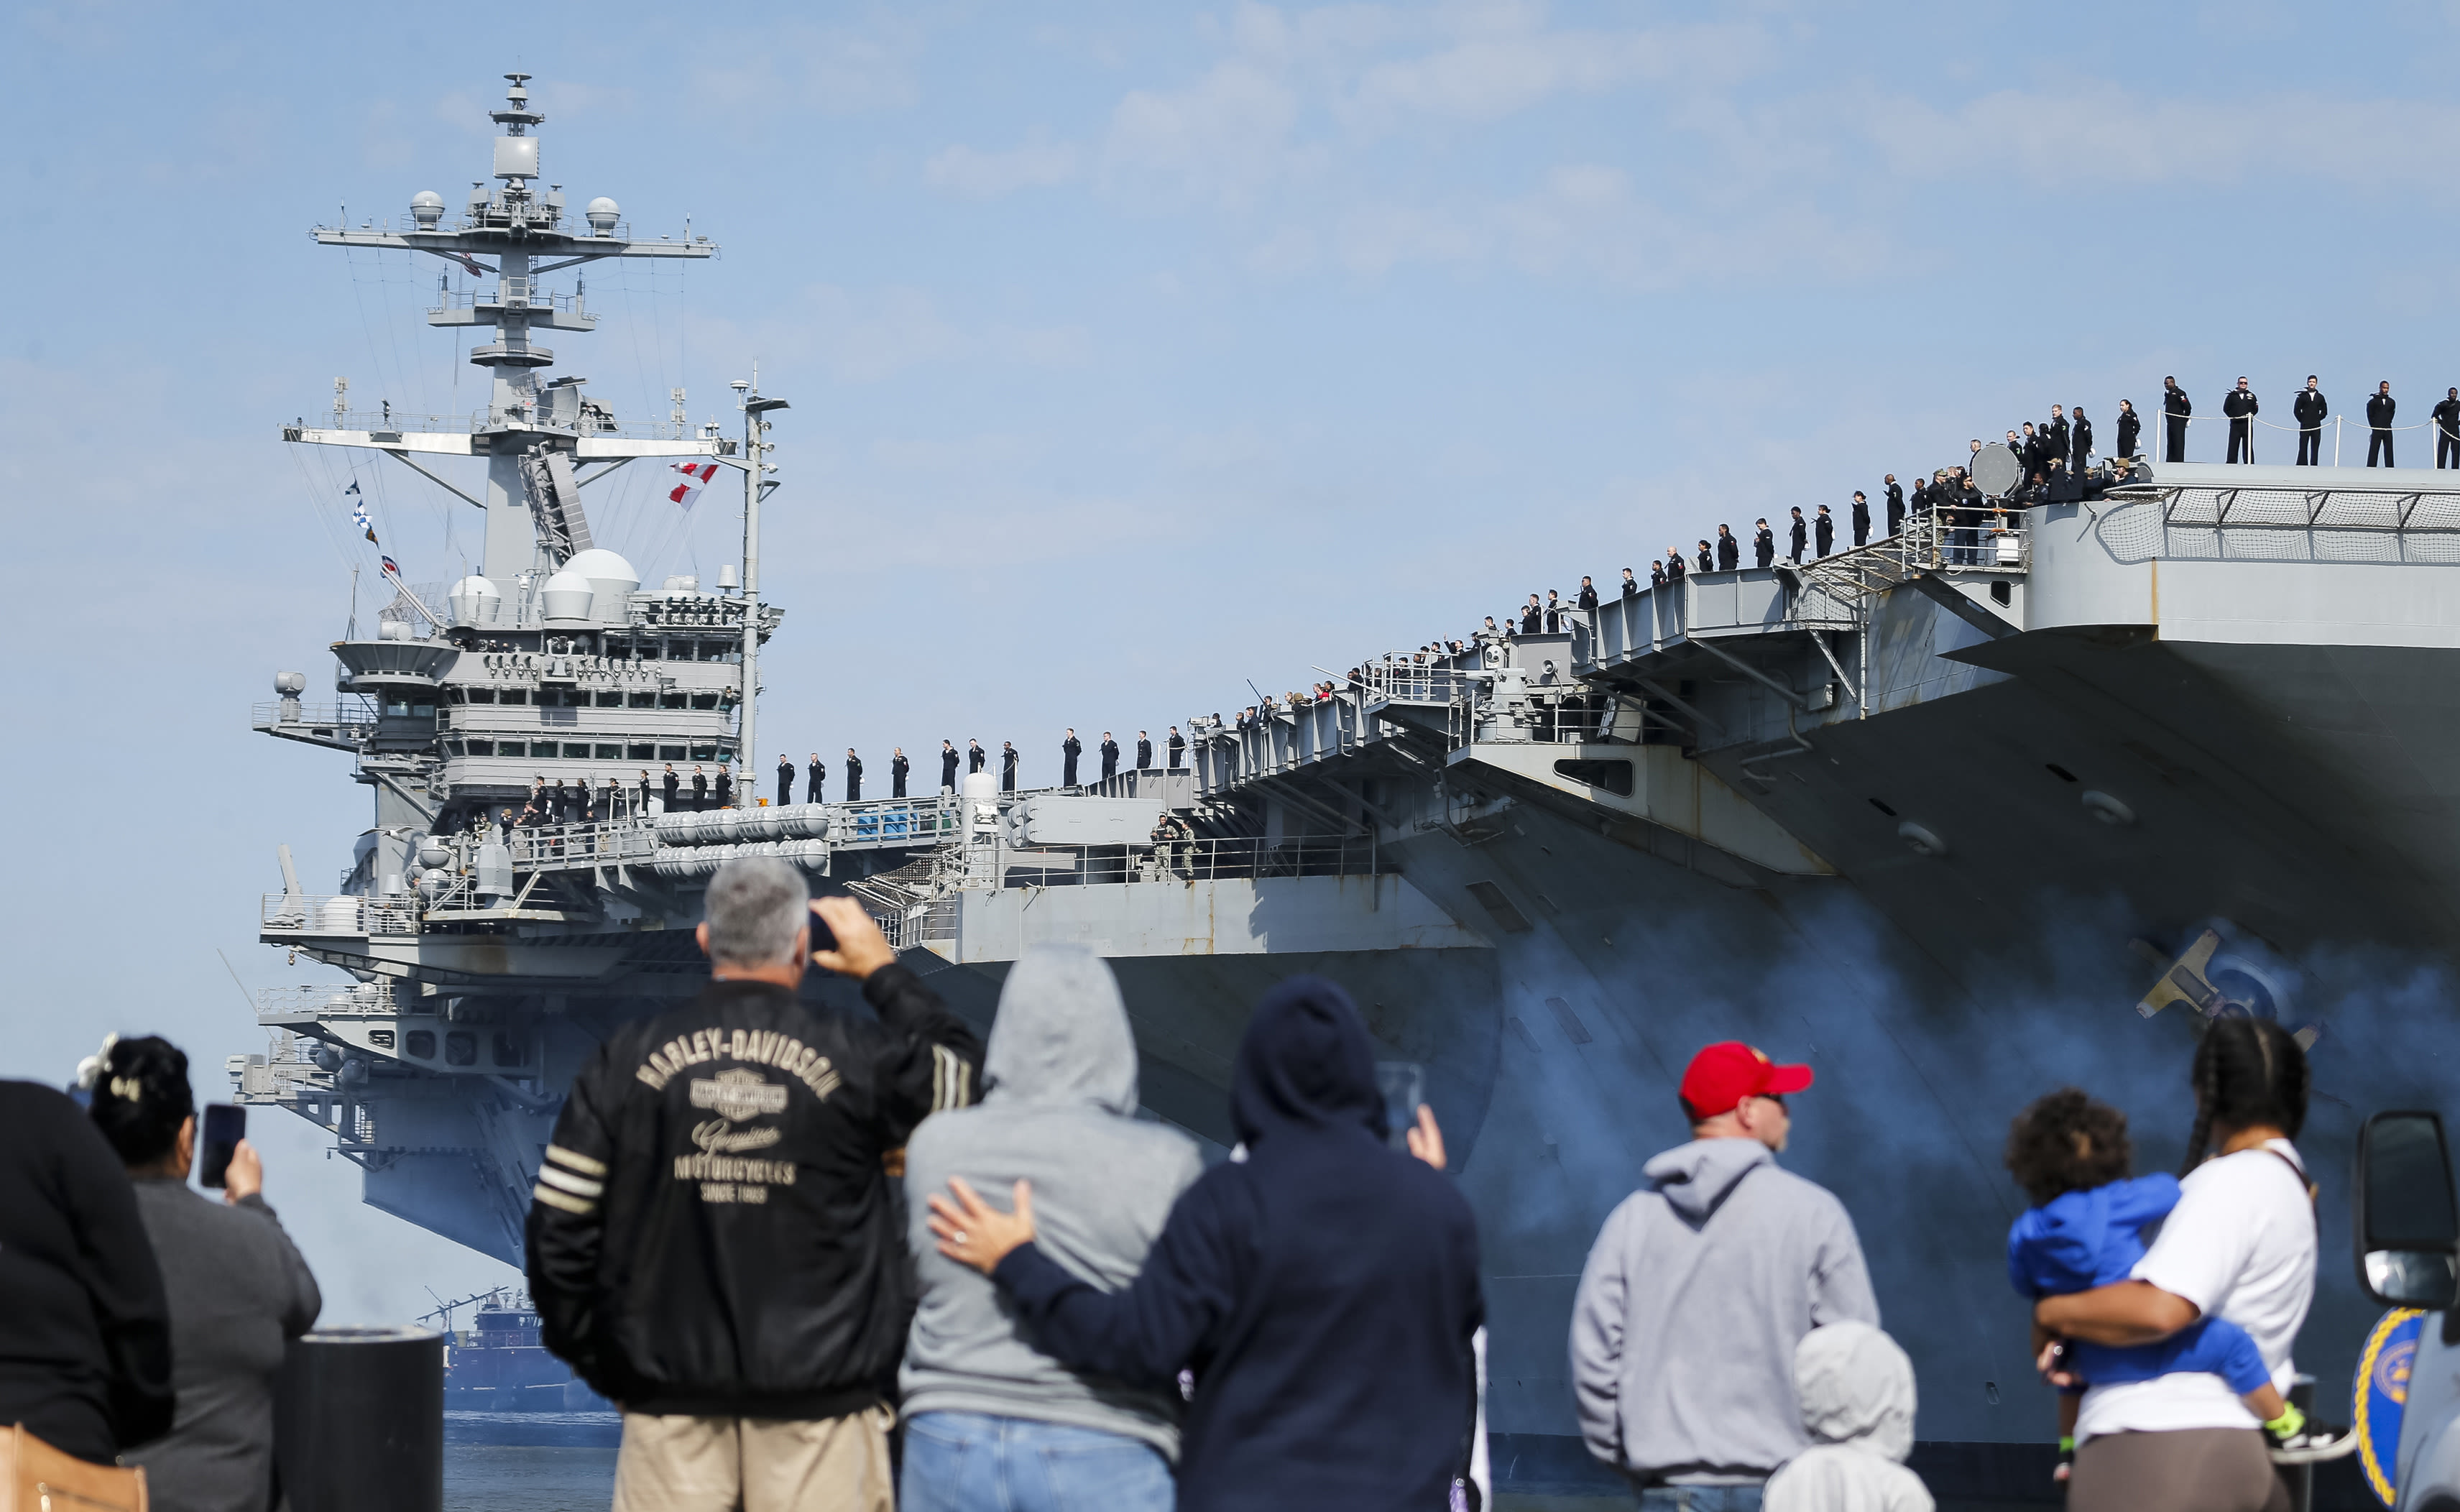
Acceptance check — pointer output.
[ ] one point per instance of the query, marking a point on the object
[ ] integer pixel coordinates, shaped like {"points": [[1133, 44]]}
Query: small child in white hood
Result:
{"points": [[1856, 1391]]}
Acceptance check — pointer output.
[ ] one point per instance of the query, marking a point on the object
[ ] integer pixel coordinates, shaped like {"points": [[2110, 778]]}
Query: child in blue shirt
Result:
{"points": [[2086, 1229]]}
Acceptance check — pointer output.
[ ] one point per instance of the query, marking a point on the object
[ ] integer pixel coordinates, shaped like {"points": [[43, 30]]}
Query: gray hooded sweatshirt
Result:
{"points": [[1061, 1069], [1693, 1299], [1857, 1402]]}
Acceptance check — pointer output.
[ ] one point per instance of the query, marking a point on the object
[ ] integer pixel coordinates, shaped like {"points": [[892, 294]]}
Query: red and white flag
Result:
{"points": [[696, 476]]}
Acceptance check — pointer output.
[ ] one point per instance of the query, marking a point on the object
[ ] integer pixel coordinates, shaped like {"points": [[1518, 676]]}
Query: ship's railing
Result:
{"points": [[590, 844], [346, 722], [1419, 677], [2378, 525], [326, 1000], [1210, 859], [404, 422], [309, 915]]}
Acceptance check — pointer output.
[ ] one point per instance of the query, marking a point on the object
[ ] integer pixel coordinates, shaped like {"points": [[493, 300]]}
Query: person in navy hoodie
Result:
{"points": [[1323, 1290]]}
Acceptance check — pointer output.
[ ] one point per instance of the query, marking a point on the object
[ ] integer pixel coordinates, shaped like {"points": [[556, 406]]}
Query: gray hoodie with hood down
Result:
{"points": [[1694, 1297], [1061, 1070]]}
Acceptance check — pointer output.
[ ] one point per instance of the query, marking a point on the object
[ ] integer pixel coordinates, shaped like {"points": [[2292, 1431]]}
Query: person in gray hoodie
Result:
{"points": [[1700, 1287], [1856, 1388], [986, 1412]]}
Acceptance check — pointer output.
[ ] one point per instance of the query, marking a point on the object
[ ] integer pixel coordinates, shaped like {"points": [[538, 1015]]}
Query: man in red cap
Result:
{"points": [[1699, 1288]]}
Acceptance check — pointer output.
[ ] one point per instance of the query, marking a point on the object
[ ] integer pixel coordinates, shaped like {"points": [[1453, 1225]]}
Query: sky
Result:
{"points": [[1135, 352]]}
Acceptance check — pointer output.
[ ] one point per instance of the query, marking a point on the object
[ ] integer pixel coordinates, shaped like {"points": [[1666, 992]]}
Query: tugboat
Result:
{"points": [[498, 1365]]}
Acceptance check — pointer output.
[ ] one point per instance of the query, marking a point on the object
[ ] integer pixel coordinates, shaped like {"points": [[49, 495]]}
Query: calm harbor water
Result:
{"points": [[529, 1461]]}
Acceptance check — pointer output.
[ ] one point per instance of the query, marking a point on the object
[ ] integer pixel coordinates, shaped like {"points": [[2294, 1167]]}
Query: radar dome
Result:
{"points": [[565, 597], [427, 209], [474, 601], [610, 576], [602, 213]]}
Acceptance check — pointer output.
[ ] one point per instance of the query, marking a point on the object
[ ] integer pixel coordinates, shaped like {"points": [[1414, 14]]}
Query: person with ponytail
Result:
{"points": [[85, 1335], [2240, 1245], [238, 1288]]}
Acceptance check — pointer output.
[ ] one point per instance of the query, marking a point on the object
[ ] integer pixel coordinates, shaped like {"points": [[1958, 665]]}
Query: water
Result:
{"points": [[529, 1461]]}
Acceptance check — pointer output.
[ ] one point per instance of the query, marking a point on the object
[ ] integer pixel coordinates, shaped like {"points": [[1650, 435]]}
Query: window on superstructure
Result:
{"points": [[509, 1050], [576, 749], [671, 754], [576, 698], [704, 753], [420, 1043], [608, 752], [610, 701], [514, 695], [703, 700], [640, 751], [640, 700], [482, 747], [482, 695], [674, 701], [422, 711], [451, 695], [460, 1048]]}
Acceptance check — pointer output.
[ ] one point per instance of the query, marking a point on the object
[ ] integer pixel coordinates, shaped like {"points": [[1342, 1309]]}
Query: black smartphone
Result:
{"points": [[823, 938], [225, 1125]]}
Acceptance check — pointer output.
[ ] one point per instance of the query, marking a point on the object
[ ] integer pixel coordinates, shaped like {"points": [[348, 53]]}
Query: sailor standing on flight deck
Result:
{"points": [[1109, 749], [1861, 518], [1008, 767], [1630, 584], [725, 785], [671, 783], [1895, 493], [2080, 443], [1801, 534], [1144, 750], [2175, 408], [785, 779], [853, 776], [2130, 425], [2312, 409], [2446, 430], [2240, 406], [1178, 747], [947, 766], [2380, 408], [815, 785], [1823, 531], [975, 755], [1764, 542], [1069, 750], [897, 767], [1588, 599]]}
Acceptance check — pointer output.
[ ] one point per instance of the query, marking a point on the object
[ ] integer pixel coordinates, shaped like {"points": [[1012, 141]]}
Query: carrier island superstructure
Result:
{"points": [[2007, 801]]}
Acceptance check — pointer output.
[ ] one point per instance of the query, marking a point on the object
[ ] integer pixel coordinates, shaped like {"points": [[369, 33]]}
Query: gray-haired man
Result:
{"points": [[714, 1241]]}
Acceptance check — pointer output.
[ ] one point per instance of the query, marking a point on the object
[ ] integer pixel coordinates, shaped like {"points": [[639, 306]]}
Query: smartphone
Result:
{"points": [[225, 1125], [823, 938], [1403, 1084]]}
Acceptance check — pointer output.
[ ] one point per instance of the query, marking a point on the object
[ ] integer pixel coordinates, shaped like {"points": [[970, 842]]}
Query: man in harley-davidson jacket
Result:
{"points": [[714, 1240]]}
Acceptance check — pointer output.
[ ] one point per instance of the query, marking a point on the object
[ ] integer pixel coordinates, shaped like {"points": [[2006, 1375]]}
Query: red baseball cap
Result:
{"points": [[1726, 1072]]}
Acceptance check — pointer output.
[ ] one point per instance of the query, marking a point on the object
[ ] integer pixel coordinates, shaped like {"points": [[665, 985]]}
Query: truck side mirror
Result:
{"points": [[2409, 1228]]}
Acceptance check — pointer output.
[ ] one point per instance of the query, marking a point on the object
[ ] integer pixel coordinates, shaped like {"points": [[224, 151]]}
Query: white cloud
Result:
{"points": [[1225, 139], [977, 175], [1504, 59], [863, 336], [2105, 135]]}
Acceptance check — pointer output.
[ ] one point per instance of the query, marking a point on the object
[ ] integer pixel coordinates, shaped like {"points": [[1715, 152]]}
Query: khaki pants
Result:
{"points": [[756, 1464], [2184, 1470]]}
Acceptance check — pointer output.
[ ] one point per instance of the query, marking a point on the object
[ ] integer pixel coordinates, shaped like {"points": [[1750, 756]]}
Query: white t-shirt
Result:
{"points": [[2240, 1245]]}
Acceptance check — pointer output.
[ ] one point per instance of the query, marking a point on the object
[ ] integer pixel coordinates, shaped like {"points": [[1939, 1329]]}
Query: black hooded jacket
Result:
{"points": [[1323, 1290]]}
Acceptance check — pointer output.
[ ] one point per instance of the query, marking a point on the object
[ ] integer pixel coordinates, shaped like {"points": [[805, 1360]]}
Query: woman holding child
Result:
{"points": [[2240, 1248]]}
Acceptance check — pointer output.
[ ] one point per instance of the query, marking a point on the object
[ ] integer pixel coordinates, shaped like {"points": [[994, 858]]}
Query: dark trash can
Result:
{"points": [[359, 1421]]}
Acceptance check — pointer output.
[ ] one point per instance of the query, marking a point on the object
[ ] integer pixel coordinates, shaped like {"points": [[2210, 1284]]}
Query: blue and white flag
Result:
{"points": [[359, 513]]}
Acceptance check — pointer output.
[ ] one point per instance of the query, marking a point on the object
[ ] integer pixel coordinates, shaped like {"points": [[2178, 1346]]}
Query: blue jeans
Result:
{"points": [[1701, 1499], [972, 1462]]}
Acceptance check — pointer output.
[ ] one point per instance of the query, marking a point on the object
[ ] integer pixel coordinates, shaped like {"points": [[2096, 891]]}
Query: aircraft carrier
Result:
{"points": [[1957, 816]]}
